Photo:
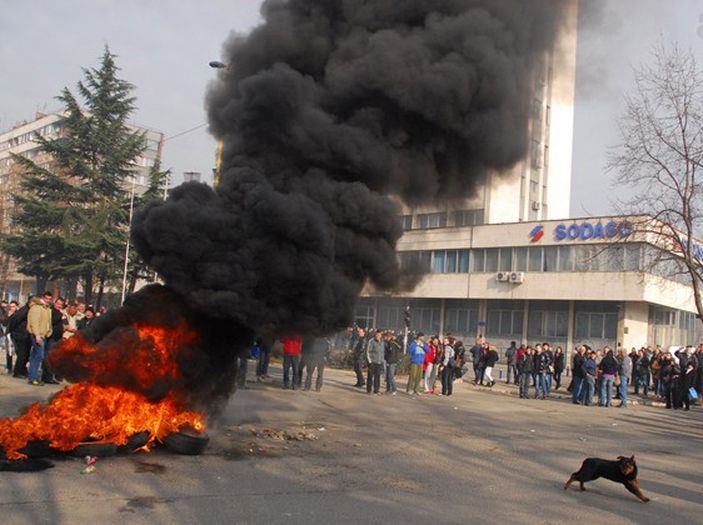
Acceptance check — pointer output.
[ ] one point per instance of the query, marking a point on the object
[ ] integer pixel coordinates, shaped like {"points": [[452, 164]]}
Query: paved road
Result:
{"points": [[477, 457]]}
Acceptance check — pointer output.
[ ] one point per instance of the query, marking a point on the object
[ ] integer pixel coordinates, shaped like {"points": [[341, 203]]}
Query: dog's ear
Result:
{"points": [[633, 458]]}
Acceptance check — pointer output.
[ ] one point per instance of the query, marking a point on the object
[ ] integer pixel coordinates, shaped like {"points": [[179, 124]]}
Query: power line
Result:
{"points": [[185, 132]]}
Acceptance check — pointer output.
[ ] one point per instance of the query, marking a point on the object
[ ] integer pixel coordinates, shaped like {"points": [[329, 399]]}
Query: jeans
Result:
{"points": [[542, 387], [290, 362], [587, 388], [414, 378], [447, 378], [642, 380], [557, 380], [390, 377], [512, 373], [373, 378], [262, 365], [525, 385], [624, 381], [605, 398], [36, 357], [548, 376], [576, 389], [358, 371], [313, 362], [478, 373], [430, 377]]}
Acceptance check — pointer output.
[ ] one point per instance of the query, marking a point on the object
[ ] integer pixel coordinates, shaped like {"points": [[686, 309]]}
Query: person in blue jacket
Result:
{"points": [[417, 350]]}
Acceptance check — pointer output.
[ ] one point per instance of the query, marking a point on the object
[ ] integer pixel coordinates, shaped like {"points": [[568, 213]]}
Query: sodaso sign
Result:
{"points": [[587, 230]]}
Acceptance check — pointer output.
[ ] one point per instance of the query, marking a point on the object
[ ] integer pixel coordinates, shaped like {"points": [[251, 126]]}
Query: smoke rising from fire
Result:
{"points": [[329, 106]]}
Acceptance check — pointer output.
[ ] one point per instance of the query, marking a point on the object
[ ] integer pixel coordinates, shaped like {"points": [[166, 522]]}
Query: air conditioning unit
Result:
{"points": [[517, 277], [536, 205], [503, 276]]}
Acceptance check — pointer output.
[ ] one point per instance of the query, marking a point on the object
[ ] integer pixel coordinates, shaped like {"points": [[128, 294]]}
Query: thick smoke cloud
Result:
{"points": [[328, 107]]}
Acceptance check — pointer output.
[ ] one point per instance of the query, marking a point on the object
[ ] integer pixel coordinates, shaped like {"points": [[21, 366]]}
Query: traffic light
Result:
{"points": [[407, 316]]}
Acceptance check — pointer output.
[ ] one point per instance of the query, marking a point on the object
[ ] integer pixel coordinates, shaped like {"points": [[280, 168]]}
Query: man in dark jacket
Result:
{"points": [[17, 328], [315, 360], [392, 354], [56, 337], [375, 353], [511, 358], [526, 366], [359, 357], [491, 360], [589, 382], [262, 366], [476, 352], [579, 373]]}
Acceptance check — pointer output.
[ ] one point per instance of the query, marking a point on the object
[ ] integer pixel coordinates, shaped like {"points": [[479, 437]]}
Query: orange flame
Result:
{"points": [[104, 413]]}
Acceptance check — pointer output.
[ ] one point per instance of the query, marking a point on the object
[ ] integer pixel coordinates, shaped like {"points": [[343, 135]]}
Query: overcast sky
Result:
{"points": [[164, 48]]}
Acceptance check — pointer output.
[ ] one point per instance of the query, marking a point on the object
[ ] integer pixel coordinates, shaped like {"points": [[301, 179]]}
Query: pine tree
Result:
{"points": [[71, 214]]}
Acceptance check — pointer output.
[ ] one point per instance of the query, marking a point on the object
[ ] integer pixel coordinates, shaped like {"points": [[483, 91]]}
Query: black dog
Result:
{"points": [[623, 470]]}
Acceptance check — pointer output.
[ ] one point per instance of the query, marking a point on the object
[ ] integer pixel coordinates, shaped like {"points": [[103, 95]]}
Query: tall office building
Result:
{"points": [[507, 265]]}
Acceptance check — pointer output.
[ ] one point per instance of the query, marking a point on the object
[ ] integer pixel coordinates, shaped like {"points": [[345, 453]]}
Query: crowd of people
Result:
{"points": [[30, 331]]}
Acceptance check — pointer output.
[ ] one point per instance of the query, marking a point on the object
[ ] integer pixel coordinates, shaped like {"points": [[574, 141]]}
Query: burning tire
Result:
{"points": [[186, 442], [37, 448], [134, 442], [102, 450]]}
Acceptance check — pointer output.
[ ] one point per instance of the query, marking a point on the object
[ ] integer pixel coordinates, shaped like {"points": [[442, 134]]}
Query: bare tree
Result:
{"points": [[660, 158]]}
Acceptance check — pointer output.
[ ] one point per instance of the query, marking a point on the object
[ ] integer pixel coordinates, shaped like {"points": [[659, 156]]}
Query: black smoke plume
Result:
{"points": [[328, 107]]}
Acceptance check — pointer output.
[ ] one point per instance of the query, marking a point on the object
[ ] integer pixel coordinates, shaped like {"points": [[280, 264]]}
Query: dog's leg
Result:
{"points": [[583, 487], [634, 487]]}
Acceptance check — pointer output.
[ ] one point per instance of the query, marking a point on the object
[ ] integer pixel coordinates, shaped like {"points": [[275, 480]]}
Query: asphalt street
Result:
{"points": [[342, 456]]}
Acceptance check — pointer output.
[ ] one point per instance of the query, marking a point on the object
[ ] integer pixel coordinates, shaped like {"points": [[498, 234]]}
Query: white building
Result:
{"points": [[20, 140], [581, 281]]}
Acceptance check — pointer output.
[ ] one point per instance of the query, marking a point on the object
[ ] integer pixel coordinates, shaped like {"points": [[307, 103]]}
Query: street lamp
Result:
{"points": [[216, 64]]}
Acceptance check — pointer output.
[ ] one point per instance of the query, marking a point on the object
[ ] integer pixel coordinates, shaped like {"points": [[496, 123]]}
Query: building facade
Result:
{"points": [[590, 281], [20, 140]]}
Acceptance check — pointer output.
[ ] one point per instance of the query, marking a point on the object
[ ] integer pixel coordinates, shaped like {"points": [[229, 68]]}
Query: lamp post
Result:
{"points": [[129, 229], [216, 64]]}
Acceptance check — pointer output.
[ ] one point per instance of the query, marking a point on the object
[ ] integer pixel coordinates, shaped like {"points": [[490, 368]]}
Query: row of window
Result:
{"points": [[567, 258], [429, 221]]}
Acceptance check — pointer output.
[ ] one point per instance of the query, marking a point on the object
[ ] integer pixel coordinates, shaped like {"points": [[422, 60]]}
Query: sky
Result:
{"points": [[164, 48]]}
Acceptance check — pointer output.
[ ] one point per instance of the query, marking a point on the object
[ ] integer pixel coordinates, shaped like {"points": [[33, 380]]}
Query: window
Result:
{"points": [[461, 319], [534, 262], [492, 260], [566, 259], [520, 260], [477, 260], [632, 257], [406, 222], [450, 264], [438, 261], [536, 154], [505, 318], [547, 324], [463, 261], [506, 259], [550, 259], [468, 217], [432, 220], [596, 325]]}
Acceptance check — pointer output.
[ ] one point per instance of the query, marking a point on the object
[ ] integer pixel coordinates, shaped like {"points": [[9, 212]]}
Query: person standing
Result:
{"points": [[578, 371], [511, 358], [589, 381], [559, 365], [526, 366], [447, 368], [476, 352], [291, 359], [609, 370], [429, 366], [549, 370], [17, 328], [316, 361], [262, 365], [642, 372], [375, 351], [541, 360], [687, 382], [57, 328], [520, 352], [358, 357], [417, 351], [392, 354], [625, 373], [39, 330], [491, 360]]}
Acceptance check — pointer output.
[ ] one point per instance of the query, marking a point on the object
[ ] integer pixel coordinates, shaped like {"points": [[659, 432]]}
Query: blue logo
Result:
{"points": [[587, 230]]}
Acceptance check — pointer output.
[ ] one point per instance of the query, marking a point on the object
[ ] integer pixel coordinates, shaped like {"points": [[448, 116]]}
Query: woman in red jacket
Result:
{"points": [[291, 359], [429, 366]]}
